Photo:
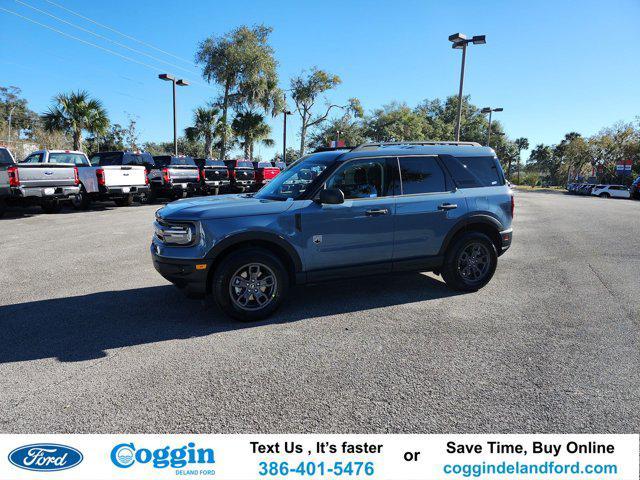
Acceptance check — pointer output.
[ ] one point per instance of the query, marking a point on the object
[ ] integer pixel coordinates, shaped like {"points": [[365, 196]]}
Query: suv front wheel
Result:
{"points": [[470, 262], [250, 284]]}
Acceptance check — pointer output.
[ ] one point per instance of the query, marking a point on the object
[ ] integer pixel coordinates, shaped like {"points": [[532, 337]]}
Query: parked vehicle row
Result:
{"points": [[50, 177], [604, 190]]}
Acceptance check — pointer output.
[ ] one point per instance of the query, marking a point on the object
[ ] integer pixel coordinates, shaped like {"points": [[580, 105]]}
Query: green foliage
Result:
{"points": [[206, 127], [306, 90], [290, 156], [251, 128], [243, 64], [185, 147], [75, 113]]}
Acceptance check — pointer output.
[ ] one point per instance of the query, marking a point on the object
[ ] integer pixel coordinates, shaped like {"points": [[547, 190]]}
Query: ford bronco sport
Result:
{"points": [[375, 209]]}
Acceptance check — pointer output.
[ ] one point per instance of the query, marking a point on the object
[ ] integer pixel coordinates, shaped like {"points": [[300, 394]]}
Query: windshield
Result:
{"points": [[73, 158], [244, 165], [106, 159], [293, 181]]}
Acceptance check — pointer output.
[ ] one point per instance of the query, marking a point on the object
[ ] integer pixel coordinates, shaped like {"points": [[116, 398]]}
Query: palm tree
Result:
{"points": [[521, 144], [206, 126], [74, 113], [252, 128]]}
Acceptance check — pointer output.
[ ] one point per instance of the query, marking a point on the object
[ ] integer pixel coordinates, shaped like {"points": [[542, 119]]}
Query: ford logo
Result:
{"points": [[45, 457], [48, 173]]}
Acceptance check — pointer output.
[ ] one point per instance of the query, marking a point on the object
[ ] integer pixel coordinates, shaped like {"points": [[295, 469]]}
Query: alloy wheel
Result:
{"points": [[253, 286], [473, 262]]}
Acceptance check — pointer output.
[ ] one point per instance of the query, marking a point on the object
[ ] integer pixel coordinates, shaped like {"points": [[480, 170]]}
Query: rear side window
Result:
{"points": [[470, 172], [5, 157], [33, 158], [421, 175]]}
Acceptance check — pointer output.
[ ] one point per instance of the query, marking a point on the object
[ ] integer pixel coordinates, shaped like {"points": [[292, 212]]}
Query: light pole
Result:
{"points": [[285, 112], [490, 110], [9, 133], [182, 83], [460, 41]]}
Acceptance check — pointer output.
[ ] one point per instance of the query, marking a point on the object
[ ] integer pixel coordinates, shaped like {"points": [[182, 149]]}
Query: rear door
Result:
{"points": [[358, 233], [427, 208]]}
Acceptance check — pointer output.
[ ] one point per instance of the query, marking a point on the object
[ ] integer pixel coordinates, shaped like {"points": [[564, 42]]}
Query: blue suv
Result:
{"points": [[374, 209]]}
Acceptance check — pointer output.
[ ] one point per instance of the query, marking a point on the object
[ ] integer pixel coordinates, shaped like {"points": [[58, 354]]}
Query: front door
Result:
{"points": [[359, 232]]}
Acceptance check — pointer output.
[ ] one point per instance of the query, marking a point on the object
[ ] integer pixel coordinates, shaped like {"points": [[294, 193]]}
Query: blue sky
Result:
{"points": [[553, 66]]}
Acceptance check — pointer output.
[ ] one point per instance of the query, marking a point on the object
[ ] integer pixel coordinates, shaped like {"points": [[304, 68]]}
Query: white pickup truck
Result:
{"points": [[98, 182]]}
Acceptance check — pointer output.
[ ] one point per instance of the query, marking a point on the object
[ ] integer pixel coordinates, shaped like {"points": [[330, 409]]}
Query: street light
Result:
{"points": [[10, 114], [460, 41], [285, 112], [338, 132], [490, 110], [182, 83]]}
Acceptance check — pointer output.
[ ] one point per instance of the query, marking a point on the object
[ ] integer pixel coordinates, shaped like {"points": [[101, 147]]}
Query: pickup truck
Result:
{"points": [[43, 180], [214, 175], [241, 174], [173, 177], [117, 176], [265, 172]]}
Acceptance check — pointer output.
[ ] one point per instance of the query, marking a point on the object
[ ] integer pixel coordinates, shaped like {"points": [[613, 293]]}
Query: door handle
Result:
{"points": [[382, 211], [447, 206]]}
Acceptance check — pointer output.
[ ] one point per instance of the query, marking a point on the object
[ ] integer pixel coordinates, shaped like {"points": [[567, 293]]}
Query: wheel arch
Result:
{"points": [[486, 224], [269, 241]]}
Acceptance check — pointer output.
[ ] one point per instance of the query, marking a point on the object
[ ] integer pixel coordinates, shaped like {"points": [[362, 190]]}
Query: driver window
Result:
{"points": [[362, 179]]}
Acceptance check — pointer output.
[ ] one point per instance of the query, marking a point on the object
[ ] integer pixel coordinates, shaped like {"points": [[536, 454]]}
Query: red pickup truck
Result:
{"points": [[265, 172]]}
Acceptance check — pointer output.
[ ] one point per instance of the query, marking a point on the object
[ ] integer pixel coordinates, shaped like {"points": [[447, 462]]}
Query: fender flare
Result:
{"points": [[270, 237], [464, 222]]}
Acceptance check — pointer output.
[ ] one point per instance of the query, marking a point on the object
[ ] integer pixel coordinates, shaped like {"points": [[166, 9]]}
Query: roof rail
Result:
{"points": [[374, 145]]}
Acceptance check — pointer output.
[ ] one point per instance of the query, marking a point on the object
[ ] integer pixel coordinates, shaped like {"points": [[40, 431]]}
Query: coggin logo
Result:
{"points": [[125, 455], [45, 457]]}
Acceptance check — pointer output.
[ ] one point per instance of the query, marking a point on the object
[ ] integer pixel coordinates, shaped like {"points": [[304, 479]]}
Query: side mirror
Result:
{"points": [[331, 196]]}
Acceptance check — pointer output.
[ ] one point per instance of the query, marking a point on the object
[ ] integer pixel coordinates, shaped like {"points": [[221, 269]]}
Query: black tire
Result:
{"points": [[230, 268], [604, 195], [51, 206], [81, 201], [3, 207], [126, 201], [455, 266], [152, 197]]}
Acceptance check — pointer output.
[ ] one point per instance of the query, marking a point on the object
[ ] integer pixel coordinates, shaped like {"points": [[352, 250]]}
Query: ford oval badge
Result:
{"points": [[45, 457]]}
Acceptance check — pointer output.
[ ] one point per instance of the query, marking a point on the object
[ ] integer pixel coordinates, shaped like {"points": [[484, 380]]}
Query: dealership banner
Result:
{"points": [[236, 457]]}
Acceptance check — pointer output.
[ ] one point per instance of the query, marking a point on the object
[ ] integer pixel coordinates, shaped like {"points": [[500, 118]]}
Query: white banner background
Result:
{"points": [[235, 459]]}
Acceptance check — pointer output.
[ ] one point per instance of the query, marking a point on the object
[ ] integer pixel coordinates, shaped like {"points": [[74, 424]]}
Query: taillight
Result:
{"points": [[165, 175], [146, 178], [100, 176], [14, 178], [76, 178], [513, 205], [198, 178]]}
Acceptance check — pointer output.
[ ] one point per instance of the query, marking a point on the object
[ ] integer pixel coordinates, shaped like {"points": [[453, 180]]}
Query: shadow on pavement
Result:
{"points": [[83, 327]]}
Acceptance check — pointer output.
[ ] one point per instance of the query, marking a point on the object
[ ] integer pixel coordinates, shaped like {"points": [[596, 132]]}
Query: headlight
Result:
{"points": [[169, 233]]}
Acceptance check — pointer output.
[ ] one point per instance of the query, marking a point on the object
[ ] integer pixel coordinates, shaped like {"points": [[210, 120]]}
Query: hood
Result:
{"points": [[221, 206]]}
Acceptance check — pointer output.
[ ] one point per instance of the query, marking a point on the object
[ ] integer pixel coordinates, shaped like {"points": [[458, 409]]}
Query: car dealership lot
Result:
{"points": [[94, 340]]}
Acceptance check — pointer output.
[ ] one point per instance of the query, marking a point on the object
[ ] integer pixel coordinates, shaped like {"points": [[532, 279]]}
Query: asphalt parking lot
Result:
{"points": [[93, 340]]}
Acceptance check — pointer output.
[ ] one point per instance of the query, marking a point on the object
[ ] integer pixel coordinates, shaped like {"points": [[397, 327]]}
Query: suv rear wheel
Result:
{"points": [[470, 262], [604, 195], [250, 284]]}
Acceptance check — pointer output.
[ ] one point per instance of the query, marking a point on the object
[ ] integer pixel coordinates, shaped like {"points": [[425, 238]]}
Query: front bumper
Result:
{"points": [[44, 192], [183, 273]]}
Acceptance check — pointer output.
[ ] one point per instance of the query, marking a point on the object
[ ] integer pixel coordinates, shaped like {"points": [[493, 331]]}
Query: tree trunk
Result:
{"points": [[225, 108], [77, 140], [303, 135], [208, 145]]}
